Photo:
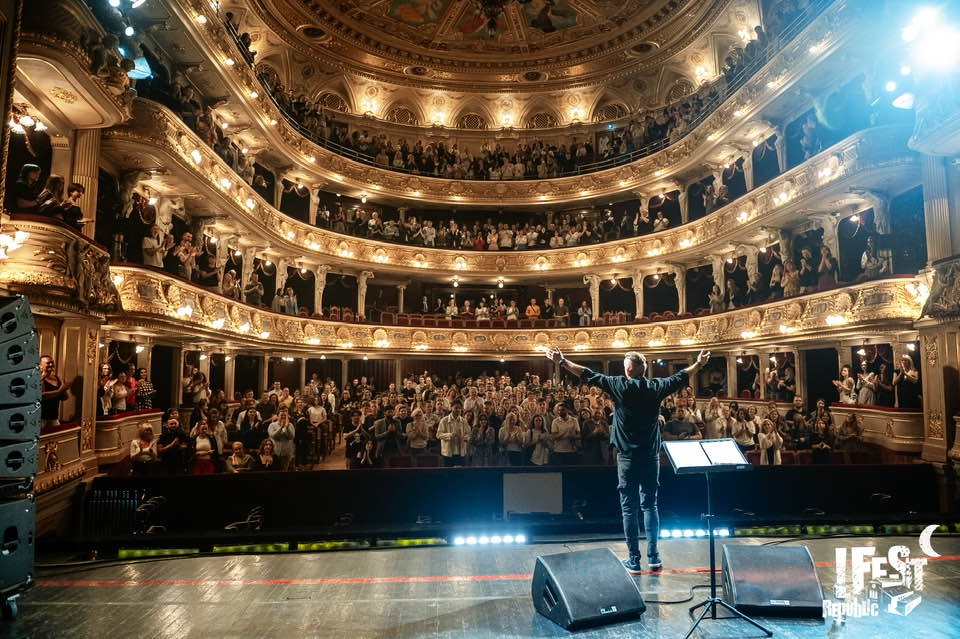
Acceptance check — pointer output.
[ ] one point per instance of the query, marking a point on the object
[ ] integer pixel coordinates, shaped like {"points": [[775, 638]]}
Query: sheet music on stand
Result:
{"points": [[705, 455]]}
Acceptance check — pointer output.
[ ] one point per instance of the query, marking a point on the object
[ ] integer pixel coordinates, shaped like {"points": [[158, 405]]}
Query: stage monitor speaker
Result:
{"points": [[20, 422], [585, 588], [21, 387], [16, 542], [16, 319], [771, 580]]}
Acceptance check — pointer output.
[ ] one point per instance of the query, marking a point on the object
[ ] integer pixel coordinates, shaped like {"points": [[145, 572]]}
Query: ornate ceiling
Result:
{"points": [[640, 47]]}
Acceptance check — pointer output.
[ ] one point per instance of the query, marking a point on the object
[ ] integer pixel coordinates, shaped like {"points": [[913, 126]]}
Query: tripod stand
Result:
{"points": [[710, 604]]}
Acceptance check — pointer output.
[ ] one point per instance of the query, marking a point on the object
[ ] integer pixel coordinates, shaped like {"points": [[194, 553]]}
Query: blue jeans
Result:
{"points": [[638, 477]]}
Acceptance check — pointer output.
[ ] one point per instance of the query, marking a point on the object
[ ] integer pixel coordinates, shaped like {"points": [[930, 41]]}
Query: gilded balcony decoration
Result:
{"points": [[70, 66], [60, 268], [60, 460], [833, 27], [864, 157], [895, 430], [154, 301], [114, 434], [943, 302]]}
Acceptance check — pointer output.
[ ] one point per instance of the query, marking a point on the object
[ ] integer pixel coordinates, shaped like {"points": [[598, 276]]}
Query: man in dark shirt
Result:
{"points": [[635, 434]]}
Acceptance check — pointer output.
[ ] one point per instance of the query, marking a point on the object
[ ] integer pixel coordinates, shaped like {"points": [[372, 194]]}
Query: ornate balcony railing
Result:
{"points": [[154, 301]]}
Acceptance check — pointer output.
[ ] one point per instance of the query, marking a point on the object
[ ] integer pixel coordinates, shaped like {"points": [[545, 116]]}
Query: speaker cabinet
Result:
{"points": [[585, 588], [17, 525], [16, 319], [21, 387], [20, 422], [771, 580], [18, 459]]}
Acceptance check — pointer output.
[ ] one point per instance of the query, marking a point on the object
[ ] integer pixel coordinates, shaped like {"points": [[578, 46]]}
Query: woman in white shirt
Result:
{"points": [[770, 444], [153, 247], [539, 441], [744, 431]]}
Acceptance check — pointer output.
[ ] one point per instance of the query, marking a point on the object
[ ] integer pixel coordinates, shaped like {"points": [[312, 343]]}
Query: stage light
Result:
{"points": [[459, 541], [677, 533], [508, 539], [688, 533], [483, 541], [520, 539], [665, 534], [471, 541], [722, 532], [114, 3], [699, 532], [496, 539], [905, 101], [890, 86], [129, 31]]}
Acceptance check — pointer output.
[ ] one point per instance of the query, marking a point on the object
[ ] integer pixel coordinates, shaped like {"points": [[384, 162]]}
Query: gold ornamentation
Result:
{"points": [[87, 430], [935, 419], [931, 350], [63, 95], [888, 431]]}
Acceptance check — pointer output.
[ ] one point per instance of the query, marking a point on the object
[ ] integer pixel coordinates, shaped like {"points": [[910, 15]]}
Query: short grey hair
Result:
{"points": [[636, 357]]}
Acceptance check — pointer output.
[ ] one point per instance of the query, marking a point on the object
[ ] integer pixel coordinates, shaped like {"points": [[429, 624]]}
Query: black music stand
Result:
{"points": [[709, 456]]}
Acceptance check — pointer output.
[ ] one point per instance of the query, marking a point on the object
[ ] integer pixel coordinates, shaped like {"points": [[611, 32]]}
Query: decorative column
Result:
{"points": [[781, 145], [181, 359], [314, 205], [229, 375], [936, 208], [401, 289], [785, 237], [303, 373], [246, 268], [732, 375], [593, 281], [319, 283], [283, 269], [549, 294], [362, 293], [204, 364], [680, 278], [829, 225], [86, 171], [61, 157], [637, 278], [753, 258], [748, 167], [684, 200], [265, 381], [719, 277]]}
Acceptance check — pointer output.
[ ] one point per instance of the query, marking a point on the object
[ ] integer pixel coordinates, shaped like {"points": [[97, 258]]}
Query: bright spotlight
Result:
{"points": [[723, 532], [688, 533], [890, 86], [905, 100], [700, 533], [665, 534], [520, 539], [129, 31], [484, 540], [496, 539], [459, 541], [471, 541], [508, 539], [677, 533]]}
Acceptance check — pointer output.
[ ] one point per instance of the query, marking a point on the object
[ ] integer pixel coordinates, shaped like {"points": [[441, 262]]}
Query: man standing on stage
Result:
{"points": [[636, 437]]}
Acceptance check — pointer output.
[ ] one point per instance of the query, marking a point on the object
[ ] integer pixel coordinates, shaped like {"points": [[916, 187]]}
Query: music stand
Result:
{"points": [[709, 456]]}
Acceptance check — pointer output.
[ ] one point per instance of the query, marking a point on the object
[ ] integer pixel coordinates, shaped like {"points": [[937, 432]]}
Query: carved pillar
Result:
{"points": [[732, 375], [61, 157], [314, 205], [204, 364], [249, 254], [680, 278], [748, 167], [319, 283], [592, 280], [785, 237], [937, 351], [362, 293], [684, 204], [145, 358], [781, 145], [549, 292], [86, 171], [753, 256], [76, 356], [303, 373], [936, 209], [401, 289], [283, 268], [265, 381], [181, 359], [829, 225], [637, 278], [229, 375], [719, 276]]}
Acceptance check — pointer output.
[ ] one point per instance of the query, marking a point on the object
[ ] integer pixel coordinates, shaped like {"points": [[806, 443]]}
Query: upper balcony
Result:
{"points": [[163, 144], [316, 164]]}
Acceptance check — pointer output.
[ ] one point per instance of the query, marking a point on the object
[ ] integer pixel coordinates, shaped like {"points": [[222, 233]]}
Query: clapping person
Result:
{"points": [[770, 443]]}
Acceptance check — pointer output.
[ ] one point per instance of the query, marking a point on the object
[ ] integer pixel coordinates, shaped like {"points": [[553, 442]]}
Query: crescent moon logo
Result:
{"points": [[925, 539]]}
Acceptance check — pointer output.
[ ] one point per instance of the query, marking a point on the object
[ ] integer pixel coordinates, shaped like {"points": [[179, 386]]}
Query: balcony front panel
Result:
{"points": [[157, 303]]}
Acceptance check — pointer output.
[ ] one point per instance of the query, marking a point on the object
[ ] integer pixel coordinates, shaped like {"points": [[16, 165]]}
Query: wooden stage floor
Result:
{"points": [[456, 592]]}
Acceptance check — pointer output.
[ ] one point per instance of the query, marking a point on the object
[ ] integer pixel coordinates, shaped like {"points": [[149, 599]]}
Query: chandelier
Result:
{"points": [[493, 9], [21, 121]]}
